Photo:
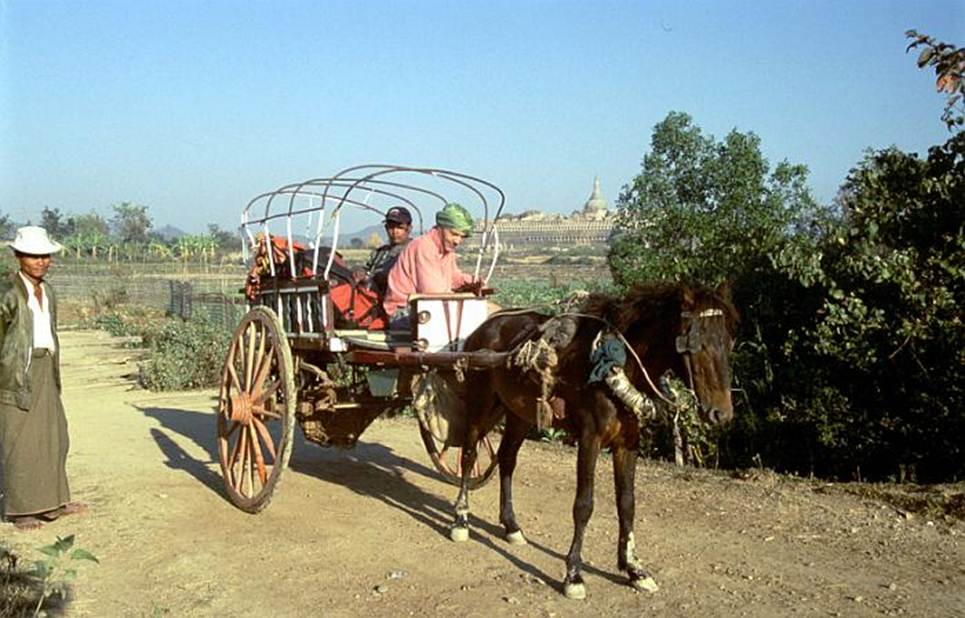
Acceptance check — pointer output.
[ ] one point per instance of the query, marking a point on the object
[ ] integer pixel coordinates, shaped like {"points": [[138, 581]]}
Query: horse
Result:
{"points": [[687, 330]]}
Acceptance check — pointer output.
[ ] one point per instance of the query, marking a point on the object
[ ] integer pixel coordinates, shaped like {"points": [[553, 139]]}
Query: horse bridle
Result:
{"points": [[690, 343]]}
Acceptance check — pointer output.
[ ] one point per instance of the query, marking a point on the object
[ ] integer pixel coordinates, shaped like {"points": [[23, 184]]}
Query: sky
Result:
{"points": [[193, 107]]}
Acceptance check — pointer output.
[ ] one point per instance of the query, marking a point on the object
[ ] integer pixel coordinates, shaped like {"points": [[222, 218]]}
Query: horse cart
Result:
{"points": [[296, 357]]}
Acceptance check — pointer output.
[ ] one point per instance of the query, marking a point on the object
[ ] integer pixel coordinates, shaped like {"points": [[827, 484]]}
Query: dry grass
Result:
{"points": [[946, 501]]}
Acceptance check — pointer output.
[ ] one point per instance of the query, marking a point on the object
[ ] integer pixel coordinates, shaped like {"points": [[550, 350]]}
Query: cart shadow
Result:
{"points": [[369, 469], [198, 427]]}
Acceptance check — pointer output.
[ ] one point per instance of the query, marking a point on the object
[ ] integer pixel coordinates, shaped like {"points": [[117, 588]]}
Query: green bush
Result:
{"points": [[849, 357], [116, 325], [184, 355]]}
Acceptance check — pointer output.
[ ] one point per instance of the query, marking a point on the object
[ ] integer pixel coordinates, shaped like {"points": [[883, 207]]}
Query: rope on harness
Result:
{"points": [[538, 356], [608, 355], [638, 403]]}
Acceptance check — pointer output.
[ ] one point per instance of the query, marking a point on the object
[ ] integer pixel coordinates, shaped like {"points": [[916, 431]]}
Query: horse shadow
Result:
{"points": [[369, 469]]}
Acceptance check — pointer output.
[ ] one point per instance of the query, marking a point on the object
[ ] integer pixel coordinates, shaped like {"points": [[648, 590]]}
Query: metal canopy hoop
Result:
{"points": [[368, 187]]}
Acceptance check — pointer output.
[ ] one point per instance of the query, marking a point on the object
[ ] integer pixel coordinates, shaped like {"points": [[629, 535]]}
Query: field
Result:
{"points": [[82, 285]]}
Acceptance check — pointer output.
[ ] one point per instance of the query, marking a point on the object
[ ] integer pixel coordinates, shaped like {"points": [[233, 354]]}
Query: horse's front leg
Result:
{"points": [[516, 429], [624, 470], [480, 418], [589, 451]]}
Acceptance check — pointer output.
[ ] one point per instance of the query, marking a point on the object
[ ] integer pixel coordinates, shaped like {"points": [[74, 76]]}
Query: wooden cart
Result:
{"points": [[291, 361]]}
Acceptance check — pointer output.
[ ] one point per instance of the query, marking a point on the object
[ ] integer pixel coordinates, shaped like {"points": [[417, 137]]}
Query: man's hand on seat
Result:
{"points": [[475, 287]]}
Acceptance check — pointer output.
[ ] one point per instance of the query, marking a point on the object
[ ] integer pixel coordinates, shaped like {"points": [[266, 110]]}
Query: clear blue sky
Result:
{"points": [[193, 107]]}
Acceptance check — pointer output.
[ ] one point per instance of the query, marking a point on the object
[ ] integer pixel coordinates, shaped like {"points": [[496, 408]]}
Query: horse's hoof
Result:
{"points": [[644, 584], [459, 534], [516, 538], [576, 592]]}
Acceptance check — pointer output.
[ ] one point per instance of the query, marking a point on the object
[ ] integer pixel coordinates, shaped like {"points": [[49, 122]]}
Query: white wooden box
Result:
{"points": [[442, 322]]}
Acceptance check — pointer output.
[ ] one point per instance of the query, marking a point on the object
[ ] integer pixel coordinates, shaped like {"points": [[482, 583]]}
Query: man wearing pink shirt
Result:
{"points": [[428, 264]]}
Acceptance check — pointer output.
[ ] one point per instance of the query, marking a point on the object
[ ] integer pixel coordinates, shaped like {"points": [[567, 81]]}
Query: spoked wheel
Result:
{"points": [[448, 460], [256, 410]]}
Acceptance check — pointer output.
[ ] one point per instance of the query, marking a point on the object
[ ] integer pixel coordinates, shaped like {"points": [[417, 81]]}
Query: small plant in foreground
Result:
{"points": [[56, 570], [28, 592]]}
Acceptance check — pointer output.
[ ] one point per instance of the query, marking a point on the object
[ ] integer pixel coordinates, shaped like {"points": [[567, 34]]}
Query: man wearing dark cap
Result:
{"points": [[428, 265], [398, 226]]}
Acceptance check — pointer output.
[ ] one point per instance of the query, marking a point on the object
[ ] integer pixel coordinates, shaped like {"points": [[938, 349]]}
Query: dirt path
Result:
{"points": [[364, 532]]}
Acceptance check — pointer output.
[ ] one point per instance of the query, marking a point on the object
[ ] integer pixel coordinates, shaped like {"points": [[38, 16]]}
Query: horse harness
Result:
{"points": [[541, 356]]}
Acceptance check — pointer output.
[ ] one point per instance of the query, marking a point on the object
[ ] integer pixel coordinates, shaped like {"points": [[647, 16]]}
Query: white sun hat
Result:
{"points": [[34, 240]]}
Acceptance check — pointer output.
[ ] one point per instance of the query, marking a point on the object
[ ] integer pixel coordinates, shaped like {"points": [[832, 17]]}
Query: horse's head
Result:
{"points": [[704, 341]]}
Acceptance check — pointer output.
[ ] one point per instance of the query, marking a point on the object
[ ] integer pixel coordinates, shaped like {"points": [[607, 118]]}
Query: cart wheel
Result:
{"points": [[448, 460], [256, 410]]}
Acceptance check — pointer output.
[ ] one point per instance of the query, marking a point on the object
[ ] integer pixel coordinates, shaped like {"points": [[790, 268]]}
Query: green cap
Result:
{"points": [[455, 217]]}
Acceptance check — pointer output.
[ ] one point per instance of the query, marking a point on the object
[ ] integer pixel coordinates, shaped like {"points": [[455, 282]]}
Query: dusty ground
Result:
{"points": [[364, 532]]}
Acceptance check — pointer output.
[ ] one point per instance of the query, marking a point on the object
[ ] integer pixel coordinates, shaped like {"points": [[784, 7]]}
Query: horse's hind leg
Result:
{"points": [[460, 528], [589, 451], [516, 429], [624, 470]]}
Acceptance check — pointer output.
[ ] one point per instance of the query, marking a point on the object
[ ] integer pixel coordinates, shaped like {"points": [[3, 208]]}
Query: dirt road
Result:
{"points": [[364, 532]]}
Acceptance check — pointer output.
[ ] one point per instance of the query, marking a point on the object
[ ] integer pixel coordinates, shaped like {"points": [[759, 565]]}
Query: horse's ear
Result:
{"points": [[724, 289]]}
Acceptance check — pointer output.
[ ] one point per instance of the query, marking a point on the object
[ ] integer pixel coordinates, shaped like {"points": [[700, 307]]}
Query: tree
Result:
{"points": [[705, 210], [890, 328], [53, 221], [7, 230], [91, 223], [131, 222], [7, 227], [224, 240], [949, 64]]}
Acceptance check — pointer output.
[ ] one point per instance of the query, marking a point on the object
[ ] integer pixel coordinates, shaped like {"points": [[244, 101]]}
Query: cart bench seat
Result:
{"points": [[374, 339]]}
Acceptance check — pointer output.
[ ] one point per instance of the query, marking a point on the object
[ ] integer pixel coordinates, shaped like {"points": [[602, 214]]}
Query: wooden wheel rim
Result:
{"points": [[256, 410], [448, 460]]}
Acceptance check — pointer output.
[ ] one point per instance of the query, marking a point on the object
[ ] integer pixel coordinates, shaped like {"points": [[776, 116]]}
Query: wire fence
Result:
{"points": [[212, 292]]}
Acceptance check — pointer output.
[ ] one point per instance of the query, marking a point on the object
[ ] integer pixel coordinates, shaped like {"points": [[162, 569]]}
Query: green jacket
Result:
{"points": [[16, 341]]}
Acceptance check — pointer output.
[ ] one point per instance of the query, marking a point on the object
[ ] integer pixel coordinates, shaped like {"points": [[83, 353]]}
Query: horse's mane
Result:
{"points": [[659, 301]]}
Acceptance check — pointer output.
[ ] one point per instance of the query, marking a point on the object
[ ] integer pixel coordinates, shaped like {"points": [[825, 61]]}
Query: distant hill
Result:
{"points": [[363, 234], [169, 233]]}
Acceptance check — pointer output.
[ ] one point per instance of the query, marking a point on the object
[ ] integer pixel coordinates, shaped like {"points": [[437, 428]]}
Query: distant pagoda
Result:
{"points": [[590, 226], [596, 207]]}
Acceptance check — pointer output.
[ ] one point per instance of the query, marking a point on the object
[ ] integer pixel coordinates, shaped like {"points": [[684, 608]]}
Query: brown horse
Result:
{"points": [[682, 329]]}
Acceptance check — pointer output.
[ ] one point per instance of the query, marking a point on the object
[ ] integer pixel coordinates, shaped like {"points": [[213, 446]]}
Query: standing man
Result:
{"points": [[33, 427], [428, 264], [398, 227]]}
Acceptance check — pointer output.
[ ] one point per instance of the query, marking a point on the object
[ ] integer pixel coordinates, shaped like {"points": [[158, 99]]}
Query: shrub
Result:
{"points": [[851, 346], [184, 355]]}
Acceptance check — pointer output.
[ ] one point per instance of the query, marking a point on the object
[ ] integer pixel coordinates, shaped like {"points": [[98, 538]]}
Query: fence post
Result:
{"points": [[174, 298], [187, 302]]}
